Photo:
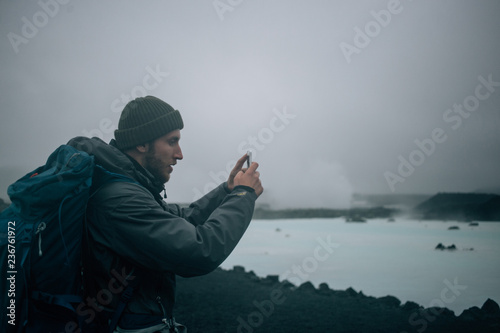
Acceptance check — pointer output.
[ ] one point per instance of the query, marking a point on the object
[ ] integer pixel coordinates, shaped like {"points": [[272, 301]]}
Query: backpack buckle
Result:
{"points": [[170, 322]]}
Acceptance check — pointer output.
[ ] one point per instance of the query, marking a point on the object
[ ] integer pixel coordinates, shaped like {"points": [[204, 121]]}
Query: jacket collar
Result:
{"points": [[142, 175], [113, 159], [149, 180]]}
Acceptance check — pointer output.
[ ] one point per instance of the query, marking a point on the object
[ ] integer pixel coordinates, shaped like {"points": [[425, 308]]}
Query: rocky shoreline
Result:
{"points": [[239, 301]]}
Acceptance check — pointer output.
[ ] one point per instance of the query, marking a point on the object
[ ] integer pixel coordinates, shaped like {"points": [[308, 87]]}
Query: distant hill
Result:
{"points": [[3, 204], [460, 206], [399, 201], [305, 213], [491, 190], [490, 210]]}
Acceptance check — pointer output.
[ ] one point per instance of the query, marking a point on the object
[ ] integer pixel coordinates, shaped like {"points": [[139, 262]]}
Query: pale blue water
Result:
{"points": [[379, 258]]}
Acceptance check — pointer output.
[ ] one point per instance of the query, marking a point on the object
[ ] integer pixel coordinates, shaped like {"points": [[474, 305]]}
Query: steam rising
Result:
{"points": [[319, 184]]}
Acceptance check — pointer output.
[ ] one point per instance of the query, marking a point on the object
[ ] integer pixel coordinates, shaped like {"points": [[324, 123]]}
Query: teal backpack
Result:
{"points": [[41, 237]]}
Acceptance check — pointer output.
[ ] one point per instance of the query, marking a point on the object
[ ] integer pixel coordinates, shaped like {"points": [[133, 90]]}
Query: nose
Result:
{"points": [[178, 153]]}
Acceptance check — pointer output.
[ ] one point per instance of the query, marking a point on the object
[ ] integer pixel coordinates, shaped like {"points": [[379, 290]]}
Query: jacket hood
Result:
{"points": [[114, 160]]}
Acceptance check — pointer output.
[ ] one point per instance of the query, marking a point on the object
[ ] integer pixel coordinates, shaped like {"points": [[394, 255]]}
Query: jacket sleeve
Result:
{"points": [[126, 219], [198, 211]]}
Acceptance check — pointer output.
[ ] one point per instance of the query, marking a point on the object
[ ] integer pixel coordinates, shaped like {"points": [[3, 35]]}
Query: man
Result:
{"points": [[135, 237]]}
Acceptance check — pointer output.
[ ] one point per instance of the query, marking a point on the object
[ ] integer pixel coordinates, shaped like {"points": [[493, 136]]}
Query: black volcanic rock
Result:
{"points": [[239, 269], [271, 279], [324, 289], [472, 314], [410, 306], [351, 292], [234, 301], [390, 301], [306, 287], [440, 246], [491, 307], [451, 247]]}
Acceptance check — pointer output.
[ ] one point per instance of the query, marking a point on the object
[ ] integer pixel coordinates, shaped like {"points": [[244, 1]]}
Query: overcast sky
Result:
{"points": [[334, 97]]}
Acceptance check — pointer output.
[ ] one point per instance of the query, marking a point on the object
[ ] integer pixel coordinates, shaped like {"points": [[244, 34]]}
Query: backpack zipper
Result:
{"points": [[41, 227]]}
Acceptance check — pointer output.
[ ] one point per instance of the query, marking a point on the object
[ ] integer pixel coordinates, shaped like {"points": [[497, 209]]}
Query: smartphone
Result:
{"points": [[249, 158]]}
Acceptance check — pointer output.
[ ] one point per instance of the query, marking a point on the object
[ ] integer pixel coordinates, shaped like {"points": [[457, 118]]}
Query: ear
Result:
{"points": [[144, 148]]}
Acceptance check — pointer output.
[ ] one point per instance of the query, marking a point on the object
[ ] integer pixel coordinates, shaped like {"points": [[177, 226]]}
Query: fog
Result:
{"points": [[333, 97]]}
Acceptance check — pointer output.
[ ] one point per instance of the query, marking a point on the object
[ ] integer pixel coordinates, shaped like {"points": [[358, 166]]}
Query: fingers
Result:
{"points": [[253, 166], [240, 162], [238, 166], [247, 169], [259, 189], [257, 185], [245, 176], [249, 177]]}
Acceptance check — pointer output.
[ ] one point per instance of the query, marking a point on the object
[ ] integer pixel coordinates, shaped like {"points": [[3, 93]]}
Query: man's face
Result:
{"points": [[162, 154]]}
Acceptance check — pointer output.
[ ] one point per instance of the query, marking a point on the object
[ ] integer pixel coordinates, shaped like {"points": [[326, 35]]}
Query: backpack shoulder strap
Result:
{"points": [[125, 297]]}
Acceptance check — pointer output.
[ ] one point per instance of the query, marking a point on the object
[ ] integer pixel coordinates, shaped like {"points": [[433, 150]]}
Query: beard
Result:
{"points": [[156, 166]]}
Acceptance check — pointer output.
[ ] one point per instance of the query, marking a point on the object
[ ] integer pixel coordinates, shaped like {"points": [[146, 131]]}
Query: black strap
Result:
{"points": [[124, 299], [60, 300]]}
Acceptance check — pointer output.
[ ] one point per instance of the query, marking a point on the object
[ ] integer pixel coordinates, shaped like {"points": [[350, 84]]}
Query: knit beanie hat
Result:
{"points": [[145, 119]]}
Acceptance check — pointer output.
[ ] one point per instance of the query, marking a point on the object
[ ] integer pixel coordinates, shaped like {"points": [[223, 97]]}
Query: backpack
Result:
{"points": [[41, 235]]}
